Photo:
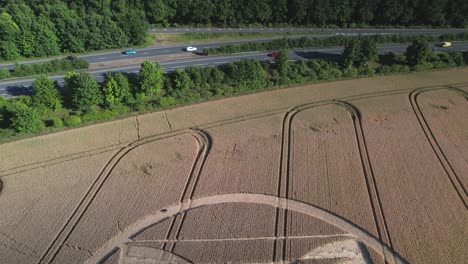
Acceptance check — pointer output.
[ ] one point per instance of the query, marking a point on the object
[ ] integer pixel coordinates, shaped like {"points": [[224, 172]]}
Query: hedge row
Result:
{"points": [[53, 66], [311, 42]]}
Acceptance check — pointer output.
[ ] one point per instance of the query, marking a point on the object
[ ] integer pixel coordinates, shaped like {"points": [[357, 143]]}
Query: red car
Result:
{"points": [[274, 54]]}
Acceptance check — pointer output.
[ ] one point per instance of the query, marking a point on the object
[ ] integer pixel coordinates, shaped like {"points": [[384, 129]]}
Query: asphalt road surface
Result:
{"points": [[172, 50], [355, 31], [12, 88]]}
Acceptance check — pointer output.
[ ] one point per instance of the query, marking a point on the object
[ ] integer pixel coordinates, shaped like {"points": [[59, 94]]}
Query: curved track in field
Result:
{"points": [[454, 178], [279, 253], [203, 143], [126, 235]]}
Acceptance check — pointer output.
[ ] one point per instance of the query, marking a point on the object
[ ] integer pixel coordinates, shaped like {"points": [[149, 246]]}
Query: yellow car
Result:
{"points": [[445, 44]]}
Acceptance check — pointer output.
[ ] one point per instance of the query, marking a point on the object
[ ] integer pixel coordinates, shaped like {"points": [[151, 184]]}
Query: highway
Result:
{"points": [[354, 31], [173, 50], [12, 88]]}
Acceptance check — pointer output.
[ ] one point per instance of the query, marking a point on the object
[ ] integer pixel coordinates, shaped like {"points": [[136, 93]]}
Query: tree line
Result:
{"points": [[84, 100], [343, 13], [38, 28], [47, 28]]}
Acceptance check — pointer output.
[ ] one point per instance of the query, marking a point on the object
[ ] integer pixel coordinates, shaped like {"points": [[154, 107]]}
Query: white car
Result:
{"points": [[191, 49]]}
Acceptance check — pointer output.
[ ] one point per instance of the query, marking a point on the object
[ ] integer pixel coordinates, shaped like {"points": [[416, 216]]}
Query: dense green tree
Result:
{"points": [[369, 51], [225, 13], [133, 23], [46, 40], [85, 91], [24, 118], [351, 53], [157, 12], [151, 78], [4, 114], [202, 11], [124, 92], [71, 29], [182, 84], [297, 11], [418, 52], [279, 11], [283, 66], [9, 50], [116, 89], [8, 28], [358, 52], [45, 93]]}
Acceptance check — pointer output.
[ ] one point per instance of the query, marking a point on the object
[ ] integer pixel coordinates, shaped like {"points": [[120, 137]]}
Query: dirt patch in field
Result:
{"points": [[370, 170]]}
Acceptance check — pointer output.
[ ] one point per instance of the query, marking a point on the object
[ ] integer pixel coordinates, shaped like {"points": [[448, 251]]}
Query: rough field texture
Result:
{"points": [[362, 171]]}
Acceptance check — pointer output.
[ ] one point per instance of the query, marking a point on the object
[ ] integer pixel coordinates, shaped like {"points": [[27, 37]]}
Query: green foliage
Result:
{"points": [[38, 29], [9, 51], [57, 123], [167, 102], [350, 72], [282, 66], [24, 118], [359, 52], [395, 68], [45, 93], [110, 91], [351, 54], [418, 52], [86, 93], [151, 78], [465, 57], [72, 121], [53, 66], [4, 73], [368, 43], [106, 114], [246, 75], [5, 116], [116, 90], [133, 23]]}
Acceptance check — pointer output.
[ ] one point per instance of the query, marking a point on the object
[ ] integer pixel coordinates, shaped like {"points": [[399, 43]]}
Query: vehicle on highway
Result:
{"points": [[274, 54], [445, 44], [129, 52], [191, 48]]}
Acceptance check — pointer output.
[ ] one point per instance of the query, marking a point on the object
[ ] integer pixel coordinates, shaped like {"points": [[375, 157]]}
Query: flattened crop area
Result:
{"points": [[372, 178]]}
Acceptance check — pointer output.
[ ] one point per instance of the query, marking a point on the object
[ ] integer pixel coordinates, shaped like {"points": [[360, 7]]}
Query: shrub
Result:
{"points": [[53, 66], [72, 121], [57, 123], [457, 58], [465, 57], [4, 73], [6, 132], [351, 72], [418, 52], [167, 101], [367, 71], [25, 119]]}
